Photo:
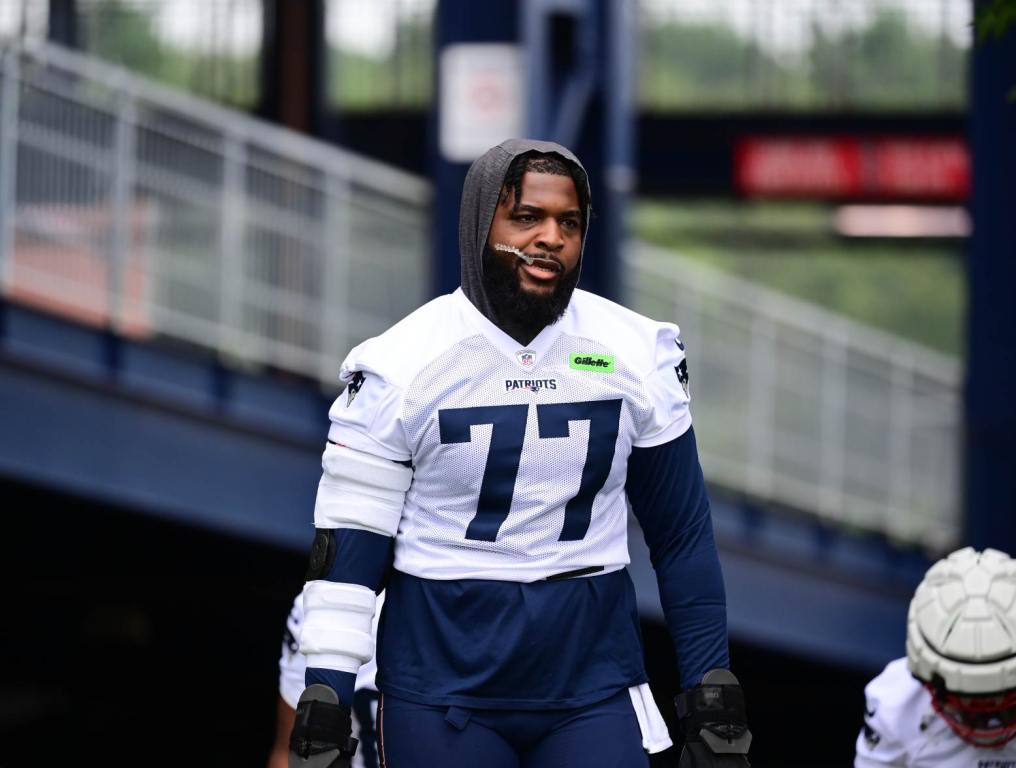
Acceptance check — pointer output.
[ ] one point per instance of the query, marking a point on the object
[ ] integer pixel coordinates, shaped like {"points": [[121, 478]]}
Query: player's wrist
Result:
{"points": [[343, 683]]}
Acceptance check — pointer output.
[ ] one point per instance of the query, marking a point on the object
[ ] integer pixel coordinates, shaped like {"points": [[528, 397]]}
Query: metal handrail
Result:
{"points": [[186, 216], [803, 407]]}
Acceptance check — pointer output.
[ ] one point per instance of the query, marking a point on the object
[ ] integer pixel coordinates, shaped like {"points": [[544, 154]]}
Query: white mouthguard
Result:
{"points": [[509, 249]]}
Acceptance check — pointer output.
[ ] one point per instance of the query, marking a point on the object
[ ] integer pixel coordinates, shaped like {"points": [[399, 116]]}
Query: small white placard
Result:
{"points": [[481, 98]]}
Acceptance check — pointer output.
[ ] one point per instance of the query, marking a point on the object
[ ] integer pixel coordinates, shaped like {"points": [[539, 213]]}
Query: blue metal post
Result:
{"points": [[457, 21], [576, 90], [579, 56], [991, 377]]}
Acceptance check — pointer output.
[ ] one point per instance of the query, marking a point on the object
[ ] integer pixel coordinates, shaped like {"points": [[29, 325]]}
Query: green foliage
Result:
{"points": [[123, 33], [887, 64], [685, 61], [685, 65], [358, 81], [914, 290], [995, 19]]}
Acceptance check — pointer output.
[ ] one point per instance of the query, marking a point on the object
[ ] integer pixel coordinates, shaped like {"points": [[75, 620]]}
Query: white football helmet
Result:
{"points": [[961, 642]]}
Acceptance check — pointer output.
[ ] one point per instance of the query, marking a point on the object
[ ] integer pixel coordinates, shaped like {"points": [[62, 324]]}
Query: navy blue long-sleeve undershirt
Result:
{"points": [[668, 496], [362, 559]]}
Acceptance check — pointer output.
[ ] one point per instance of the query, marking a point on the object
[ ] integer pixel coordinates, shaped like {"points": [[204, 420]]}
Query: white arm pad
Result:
{"points": [[336, 632], [360, 491]]}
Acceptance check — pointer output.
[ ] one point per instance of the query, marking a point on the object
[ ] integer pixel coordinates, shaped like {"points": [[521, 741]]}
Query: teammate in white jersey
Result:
{"points": [[952, 702], [487, 447]]}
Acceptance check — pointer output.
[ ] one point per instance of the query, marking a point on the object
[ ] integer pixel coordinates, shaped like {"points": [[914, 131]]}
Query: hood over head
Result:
{"points": [[480, 194]]}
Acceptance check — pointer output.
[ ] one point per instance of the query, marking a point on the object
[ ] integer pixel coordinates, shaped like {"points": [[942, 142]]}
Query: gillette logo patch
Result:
{"points": [[586, 362]]}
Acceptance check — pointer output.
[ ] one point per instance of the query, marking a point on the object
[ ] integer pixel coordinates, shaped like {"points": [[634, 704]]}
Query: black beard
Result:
{"points": [[520, 314]]}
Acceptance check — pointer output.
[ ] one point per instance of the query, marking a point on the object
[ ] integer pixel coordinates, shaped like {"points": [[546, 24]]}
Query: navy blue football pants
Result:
{"points": [[602, 735]]}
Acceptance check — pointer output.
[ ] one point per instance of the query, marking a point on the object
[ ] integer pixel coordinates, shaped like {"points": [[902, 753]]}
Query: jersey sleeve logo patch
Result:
{"points": [[353, 387], [682, 376], [584, 361]]}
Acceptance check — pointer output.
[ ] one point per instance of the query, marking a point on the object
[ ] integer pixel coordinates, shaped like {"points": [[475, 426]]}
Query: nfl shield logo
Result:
{"points": [[526, 357]]}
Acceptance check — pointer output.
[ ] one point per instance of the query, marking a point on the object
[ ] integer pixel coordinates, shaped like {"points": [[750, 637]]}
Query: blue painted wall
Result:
{"points": [[162, 432]]}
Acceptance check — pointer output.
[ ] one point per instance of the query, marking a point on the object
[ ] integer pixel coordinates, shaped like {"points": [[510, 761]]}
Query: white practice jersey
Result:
{"points": [[293, 664], [902, 729], [519, 452]]}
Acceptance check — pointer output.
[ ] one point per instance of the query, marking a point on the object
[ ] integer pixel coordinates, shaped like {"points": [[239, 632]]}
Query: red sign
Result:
{"points": [[852, 167]]}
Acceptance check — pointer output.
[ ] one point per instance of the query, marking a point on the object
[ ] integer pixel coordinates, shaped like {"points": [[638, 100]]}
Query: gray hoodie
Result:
{"points": [[480, 193]]}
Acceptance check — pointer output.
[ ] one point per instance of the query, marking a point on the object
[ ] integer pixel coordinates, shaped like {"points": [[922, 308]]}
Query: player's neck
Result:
{"points": [[522, 332]]}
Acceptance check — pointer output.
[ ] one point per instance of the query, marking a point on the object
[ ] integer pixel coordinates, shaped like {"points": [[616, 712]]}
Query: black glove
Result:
{"points": [[714, 722], [321, 733]]}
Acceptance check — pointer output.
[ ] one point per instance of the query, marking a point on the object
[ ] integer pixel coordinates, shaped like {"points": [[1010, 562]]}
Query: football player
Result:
{"points": [[951, 703], [479, 466]]}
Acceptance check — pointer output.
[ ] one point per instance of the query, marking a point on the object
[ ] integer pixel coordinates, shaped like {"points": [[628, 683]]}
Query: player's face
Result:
{"points": [[546, 224], [984, 721]]}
